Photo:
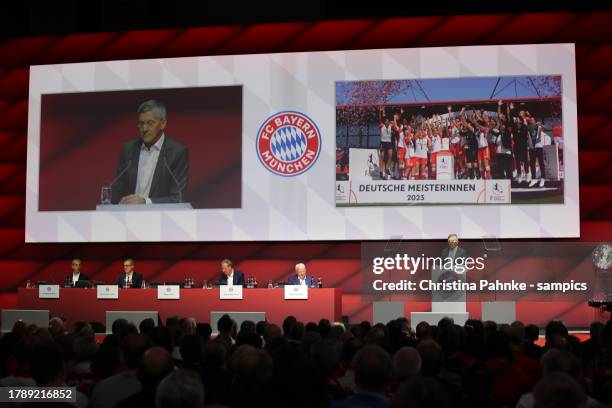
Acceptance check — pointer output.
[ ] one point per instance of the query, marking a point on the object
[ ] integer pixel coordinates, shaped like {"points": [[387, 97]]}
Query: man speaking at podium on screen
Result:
{"points": [[154, 167]]}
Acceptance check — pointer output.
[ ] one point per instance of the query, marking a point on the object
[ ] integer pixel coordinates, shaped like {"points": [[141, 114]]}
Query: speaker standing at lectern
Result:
{"points": [[154, 167], [453, 250]]}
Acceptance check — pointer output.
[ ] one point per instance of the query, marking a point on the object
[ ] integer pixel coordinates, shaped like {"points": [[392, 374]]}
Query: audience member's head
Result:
{"points": [[554, 329], [180, 389], [84, 328], [270, 332], [324, 327], [554, 361], [450, 338], [187, 326], [204, 331], [225, 325], [247, 326], [288, 324], [406, 363], [19, 328], [517, 333], [146, 326], [155, 364], [558, 390], [336, 331], [423, 331], [372, 366], [260, 327], [364, 328], [445, 321], [432, 357], [57, 327], [118, 326], [251, 366]]}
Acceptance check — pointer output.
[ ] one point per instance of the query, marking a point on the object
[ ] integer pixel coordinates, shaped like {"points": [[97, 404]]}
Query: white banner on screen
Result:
{"points": [[373, 192], [304, 207]]}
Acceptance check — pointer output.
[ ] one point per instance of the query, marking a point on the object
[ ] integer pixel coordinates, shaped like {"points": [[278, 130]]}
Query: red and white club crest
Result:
{"points": [[288, 143]]}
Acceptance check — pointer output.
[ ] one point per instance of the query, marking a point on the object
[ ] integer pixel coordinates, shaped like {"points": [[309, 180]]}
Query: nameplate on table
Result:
{"points": [[169, 292], [230, 292], [108, 291], [296, 292], [48, 291]]}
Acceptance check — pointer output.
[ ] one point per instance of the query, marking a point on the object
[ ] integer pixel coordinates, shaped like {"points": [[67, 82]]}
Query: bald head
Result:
{"points": [[407, 362], [156, 363]]}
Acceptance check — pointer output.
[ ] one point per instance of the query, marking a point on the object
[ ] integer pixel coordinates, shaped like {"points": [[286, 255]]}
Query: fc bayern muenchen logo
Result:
{"points": [[288, 143]]}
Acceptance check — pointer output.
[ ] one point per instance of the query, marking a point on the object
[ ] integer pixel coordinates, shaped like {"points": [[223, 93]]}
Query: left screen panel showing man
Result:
{"points": [[141, 147], [153, 168]]}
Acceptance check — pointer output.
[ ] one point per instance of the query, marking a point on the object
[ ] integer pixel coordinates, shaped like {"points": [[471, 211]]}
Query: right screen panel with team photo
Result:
{"points": [[470, 140]]}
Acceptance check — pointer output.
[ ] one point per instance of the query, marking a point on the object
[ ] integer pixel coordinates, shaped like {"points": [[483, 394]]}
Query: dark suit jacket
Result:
{"points": [[238, 278], [461, 252], [163, 187], [82, 277], [82, 282], [136, 280], [294, 280]]}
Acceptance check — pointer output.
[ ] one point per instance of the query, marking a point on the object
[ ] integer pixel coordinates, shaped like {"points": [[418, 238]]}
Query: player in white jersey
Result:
{"points": [[409, 155], [401, 148], [436, 147], [483, 150], [421, 145], [386, 144]]}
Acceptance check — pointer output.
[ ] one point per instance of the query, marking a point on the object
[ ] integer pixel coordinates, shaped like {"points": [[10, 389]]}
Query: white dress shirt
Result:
{"points": [[75, 278], [302, 281], [146, 168], [230, 279]]}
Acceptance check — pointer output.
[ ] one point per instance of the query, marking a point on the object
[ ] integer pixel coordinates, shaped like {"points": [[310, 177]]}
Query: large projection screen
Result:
{"points": [[287, 147]]}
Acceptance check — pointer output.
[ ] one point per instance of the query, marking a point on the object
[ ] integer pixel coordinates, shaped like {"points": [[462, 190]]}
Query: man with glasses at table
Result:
{"points": [[129, 278]]}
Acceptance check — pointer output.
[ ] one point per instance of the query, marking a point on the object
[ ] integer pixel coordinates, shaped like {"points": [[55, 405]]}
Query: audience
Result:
{"points": [[180, 389], [308, 364]]}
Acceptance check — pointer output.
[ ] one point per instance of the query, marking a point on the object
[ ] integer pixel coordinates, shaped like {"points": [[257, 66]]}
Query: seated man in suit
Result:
{"points": [[301, 278], [230, 276], [152, 168], [76, 278], [129, 278]]}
